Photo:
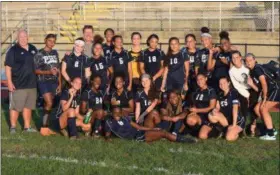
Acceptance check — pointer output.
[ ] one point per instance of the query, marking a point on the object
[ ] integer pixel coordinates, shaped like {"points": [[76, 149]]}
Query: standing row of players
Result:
{"points": [[186, 90]]}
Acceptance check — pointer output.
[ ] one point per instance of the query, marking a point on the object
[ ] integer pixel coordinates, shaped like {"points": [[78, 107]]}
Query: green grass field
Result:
{"points": [[34, 154]]}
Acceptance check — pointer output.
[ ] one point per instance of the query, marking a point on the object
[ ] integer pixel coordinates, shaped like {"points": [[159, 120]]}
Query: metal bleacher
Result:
{"points": [[246, 22]]}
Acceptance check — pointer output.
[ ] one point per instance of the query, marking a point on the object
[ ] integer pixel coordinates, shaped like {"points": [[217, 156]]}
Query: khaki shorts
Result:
{"points": [[23, 98]]}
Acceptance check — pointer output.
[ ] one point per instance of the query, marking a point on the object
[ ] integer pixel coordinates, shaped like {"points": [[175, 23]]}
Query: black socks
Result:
{"points": [[46, 117], [72, 128]]}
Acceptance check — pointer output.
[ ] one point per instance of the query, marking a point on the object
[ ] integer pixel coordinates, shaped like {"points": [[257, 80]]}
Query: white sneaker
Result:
{"points": [[275, 132], [174, 133], [267, 137]]}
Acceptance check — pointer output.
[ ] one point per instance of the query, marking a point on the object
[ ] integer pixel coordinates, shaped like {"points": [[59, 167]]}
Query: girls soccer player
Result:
{"points": [[121, 97], [93, 99], [204, 54], [68, 113], [108, 46], [176, 68], [151, 61], [135, 54], [192, 53], [49, 78], [76, 64], [173, 113], [204, 101], [99, 66], [120, 61], [146, 100], [123, 127], [263, 82], [218, 64], [227, 112]]}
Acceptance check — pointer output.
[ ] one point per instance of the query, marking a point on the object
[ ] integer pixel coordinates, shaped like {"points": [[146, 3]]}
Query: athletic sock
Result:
{"points": [[72, 128], [46, 118], [270, 132], [96, 125]]}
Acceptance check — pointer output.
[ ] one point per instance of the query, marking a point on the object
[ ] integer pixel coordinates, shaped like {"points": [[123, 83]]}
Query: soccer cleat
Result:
{"points": [[174, 133], [13, 131], [73, 138], [29, 130], [64, 132], [267, 137], [96, 134]]}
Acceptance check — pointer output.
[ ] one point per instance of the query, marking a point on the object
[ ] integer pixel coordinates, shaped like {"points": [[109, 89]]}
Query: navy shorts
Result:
{"points": [[140, 136], [274, 95], [47, 87], [241, 122]]}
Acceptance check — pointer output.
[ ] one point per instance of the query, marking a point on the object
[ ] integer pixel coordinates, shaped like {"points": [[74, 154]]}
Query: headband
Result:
{"points": [[79, 42], [206, 35]]}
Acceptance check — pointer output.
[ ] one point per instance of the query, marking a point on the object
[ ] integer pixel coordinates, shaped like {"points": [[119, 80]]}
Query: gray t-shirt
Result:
{"points": [[88, 49]]}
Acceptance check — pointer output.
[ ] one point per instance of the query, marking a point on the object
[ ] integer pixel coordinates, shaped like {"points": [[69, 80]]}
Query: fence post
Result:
{"points": [[220, 16], [169, 16], [124, 16], [272, 19]]}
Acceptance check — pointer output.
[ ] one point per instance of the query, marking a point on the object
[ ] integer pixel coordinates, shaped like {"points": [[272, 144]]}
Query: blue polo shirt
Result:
{"points": [[23, 68]]}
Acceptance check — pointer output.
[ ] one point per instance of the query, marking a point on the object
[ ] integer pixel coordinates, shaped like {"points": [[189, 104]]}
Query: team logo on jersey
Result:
{"points": [[21, 53], [50, 59], [120, 123], [33, 52]]}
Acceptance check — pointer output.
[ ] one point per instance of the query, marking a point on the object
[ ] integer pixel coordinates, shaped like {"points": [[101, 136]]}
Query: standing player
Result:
{"points": [[49, 78], [176, 68], [76, 64], [204, 54], [227, 112], [270, 94], [99, 66], [146, 100], [120, 61], [68, 114], [204, 101], [92, 102], [135, 54], [151, 61], [124, 128], [108, 46], [218, 64], [192, 53], [121, 97]]}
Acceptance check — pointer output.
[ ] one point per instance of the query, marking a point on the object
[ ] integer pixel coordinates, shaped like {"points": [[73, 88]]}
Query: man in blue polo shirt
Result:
{"points": [[20, 72]]}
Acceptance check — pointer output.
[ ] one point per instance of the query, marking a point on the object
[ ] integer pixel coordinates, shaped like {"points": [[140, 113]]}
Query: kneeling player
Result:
{"points": [[93, 99], [68, 112], [124, 128], [227, 112]]}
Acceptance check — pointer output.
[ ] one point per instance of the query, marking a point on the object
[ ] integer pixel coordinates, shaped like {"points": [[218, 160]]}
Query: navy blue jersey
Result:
{"points": [[258, 71], [227, 102], [143, 99], [201, 98], [76, 65], [107, 50], [194, 59], [99, 66], [45, 61], [94, 99], [121, 128], [176, 62], [152, 60], [22, 63], [123, 98], [221, 69], [120, 61]]}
